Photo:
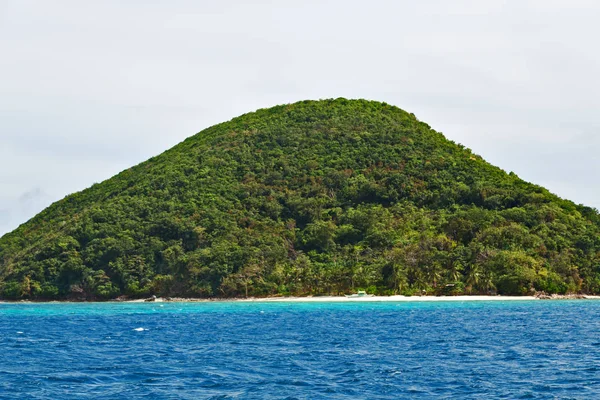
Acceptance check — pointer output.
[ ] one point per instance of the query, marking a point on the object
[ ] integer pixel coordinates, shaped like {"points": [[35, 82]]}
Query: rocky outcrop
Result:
{"points": [[569, 296]]}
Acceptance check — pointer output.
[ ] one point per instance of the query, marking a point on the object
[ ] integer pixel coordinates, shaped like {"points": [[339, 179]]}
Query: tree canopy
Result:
{"points": [[316, 197]]}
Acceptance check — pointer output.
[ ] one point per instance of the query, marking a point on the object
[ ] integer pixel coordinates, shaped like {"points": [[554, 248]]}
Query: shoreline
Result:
{"points": [[372, 299], [325, 299], [387, 299]]}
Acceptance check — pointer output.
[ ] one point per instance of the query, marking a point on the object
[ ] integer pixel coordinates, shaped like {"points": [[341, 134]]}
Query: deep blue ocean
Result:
{"points": [[236, 350]]}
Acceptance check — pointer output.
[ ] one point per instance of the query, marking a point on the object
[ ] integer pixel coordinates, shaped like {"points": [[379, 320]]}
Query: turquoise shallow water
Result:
{"points": [[511, 350]]}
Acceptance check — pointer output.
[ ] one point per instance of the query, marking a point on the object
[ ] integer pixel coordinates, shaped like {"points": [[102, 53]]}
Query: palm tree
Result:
{"points": [[487, 281], [419, 282], [357, 269], [473, 276], [455, 271], [434, 273], [400, 277]]}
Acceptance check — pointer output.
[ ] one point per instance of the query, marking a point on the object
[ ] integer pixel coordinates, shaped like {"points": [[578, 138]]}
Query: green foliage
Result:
{"points": [[317, 197]]}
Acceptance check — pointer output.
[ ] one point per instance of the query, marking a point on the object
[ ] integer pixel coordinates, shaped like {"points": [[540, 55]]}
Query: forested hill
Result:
{"points": [[316, 197]]}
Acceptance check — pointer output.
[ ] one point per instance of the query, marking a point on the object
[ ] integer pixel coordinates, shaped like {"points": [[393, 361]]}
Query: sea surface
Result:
{"points": [[237, 350]]}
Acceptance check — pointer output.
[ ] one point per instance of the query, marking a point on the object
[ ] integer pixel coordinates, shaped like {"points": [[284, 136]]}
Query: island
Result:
{"points": [[307, 199]]}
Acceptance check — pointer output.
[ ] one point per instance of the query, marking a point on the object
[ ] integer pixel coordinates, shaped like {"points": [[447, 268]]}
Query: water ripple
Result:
{"points": [[466, 350]]}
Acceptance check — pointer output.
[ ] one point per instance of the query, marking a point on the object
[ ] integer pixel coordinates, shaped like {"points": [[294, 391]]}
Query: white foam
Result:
{"points": [[140, 329]]}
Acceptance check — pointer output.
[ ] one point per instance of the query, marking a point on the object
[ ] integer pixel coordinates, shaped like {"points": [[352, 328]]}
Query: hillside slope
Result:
{"points": [[310, 198]]}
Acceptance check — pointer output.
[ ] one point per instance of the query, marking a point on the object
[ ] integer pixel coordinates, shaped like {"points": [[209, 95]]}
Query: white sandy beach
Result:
{"points": [[374, 299], [340, 299], [378, 299]]}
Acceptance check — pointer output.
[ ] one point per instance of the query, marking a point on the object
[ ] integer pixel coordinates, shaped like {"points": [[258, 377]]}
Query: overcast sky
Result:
{"points": [[89, 88]]}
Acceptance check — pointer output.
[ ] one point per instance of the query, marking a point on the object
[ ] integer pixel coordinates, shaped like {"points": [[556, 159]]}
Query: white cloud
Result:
{"points": [[90, 88]]}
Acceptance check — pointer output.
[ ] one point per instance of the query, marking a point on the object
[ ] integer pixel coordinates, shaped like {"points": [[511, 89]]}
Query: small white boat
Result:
{"points": [[361, 293]]}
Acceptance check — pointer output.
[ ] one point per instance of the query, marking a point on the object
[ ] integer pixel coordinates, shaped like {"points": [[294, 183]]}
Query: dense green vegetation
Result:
{"points": [[317, 197]]}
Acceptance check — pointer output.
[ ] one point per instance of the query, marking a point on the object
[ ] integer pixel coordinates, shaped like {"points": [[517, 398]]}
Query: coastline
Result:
{"points": [[372, 299], [391, 299], [326, 299]]}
